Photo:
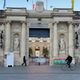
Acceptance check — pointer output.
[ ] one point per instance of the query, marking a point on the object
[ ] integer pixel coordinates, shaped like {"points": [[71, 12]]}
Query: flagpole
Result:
{"points": [[4, 4], [46, 4], [73, 5]]}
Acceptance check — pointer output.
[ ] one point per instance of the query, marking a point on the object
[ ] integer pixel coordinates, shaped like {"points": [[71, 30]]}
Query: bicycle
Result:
{"points": [[65, 67]]}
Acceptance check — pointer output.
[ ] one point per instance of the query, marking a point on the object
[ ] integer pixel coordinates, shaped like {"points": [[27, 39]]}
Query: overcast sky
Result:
{"points": [[53, 3]]}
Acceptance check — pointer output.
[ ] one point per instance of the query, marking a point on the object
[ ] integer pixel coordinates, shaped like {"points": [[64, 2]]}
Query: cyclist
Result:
{"points": [[69, 60]]}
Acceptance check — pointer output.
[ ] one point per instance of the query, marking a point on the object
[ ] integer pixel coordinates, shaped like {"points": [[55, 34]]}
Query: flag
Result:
{"points": [[72, 4], [34, 6], [27, 0], [4, 4]]}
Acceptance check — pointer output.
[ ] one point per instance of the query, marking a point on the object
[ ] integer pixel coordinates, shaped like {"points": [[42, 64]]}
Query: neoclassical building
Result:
{"points": [[16, 25]]}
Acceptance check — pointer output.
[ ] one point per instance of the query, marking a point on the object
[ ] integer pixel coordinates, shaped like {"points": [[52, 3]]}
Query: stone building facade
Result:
{"points": [[14, 32]]}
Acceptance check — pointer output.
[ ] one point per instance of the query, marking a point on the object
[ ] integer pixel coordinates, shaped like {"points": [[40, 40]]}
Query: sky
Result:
{"points": [[50, 4]]}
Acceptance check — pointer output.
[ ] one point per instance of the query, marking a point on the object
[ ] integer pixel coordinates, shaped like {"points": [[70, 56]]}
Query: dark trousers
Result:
{"points": [[68, 63], [39, 63], [24, 63]]}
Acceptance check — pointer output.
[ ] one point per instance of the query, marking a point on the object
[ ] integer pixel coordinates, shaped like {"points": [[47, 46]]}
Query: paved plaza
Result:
{"points": [[35, 72]]}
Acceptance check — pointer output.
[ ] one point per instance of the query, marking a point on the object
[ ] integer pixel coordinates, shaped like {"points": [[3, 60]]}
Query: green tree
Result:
{"points": [[45, 52], [30, 52]]}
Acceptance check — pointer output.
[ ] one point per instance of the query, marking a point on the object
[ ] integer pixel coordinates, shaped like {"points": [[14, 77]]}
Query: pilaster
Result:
{"points": [[7, 37], [55, 40], [23, 40], [51, 43], [27, 43], [71, 46]]}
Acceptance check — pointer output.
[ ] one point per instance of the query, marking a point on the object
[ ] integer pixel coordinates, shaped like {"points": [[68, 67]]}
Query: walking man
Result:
{"points": [[24, 61]]}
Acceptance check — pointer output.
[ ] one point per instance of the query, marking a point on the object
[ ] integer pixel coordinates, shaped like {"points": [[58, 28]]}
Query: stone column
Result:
{"points": [[51, 44], [71, 46], [7, 37], [23, 40], [27, 43], [55, 40]]}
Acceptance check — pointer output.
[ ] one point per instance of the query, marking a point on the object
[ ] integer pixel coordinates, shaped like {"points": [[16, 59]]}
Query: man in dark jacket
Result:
{"points": [[69, 60], [24, 61]]}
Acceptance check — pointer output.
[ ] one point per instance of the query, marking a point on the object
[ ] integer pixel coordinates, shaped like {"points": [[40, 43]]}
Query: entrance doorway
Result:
{"points": [[39, 39], [37, 51]]}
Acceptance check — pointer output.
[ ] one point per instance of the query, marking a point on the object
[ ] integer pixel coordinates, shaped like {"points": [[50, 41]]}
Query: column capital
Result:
{"points": [[8, 21], [70, 22], [3, 23], [23, 22], [28, 25], [56, 22], [76, 24], [50, 24]]}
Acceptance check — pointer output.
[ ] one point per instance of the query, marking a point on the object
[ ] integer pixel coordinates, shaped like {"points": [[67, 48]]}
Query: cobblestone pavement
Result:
{"points": [[42, 72]]}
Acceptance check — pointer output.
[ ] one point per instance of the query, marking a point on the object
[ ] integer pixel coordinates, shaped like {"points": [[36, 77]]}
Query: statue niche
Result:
{"points": [[16, 42], [62, 45]]}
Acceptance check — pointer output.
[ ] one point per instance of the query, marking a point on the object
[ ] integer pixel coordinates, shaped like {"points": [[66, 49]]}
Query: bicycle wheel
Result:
{"points": [[73, 67], [64, 67]]}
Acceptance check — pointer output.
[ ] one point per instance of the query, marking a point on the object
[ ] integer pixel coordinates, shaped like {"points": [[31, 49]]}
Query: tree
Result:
{"points": [[45, 52], [30, 52]]}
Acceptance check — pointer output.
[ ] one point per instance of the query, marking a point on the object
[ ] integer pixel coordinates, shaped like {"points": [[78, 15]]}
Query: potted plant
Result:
{"points": [[45, 52], [30, 52]]}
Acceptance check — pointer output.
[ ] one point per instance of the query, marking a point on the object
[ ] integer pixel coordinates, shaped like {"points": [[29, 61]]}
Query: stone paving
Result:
{"points": [[35, 72]]}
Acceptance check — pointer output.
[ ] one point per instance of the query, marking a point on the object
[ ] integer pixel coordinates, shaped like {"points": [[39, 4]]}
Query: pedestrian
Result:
{"points": [[39, 63], [24, 61], [69, 60]]}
